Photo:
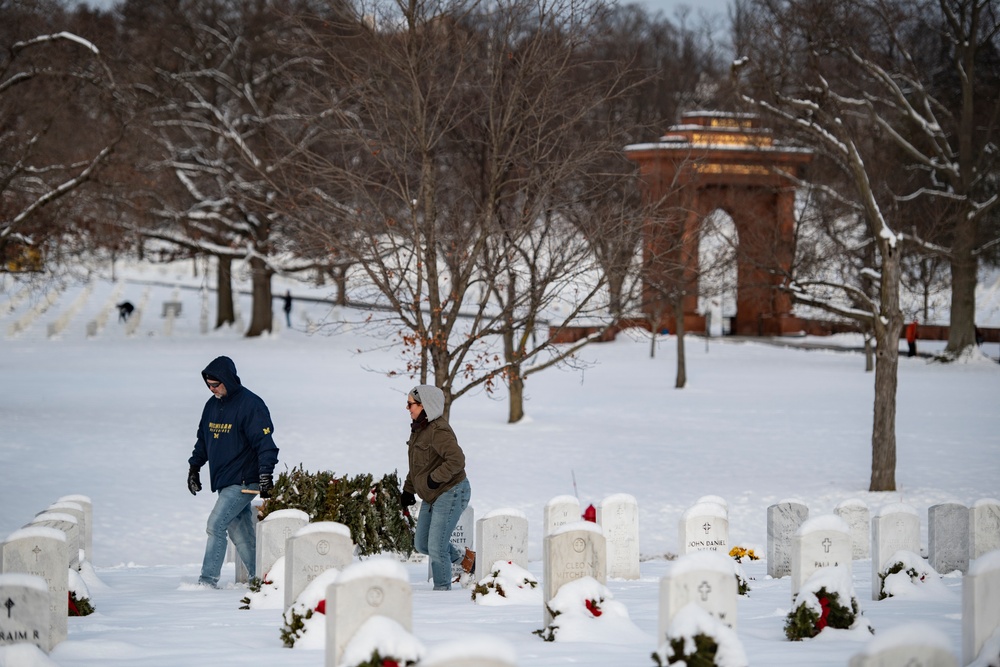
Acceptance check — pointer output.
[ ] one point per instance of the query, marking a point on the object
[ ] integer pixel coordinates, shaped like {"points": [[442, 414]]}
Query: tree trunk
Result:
{"points": [[516, 387], [964, 270], [869, 354], [681, 360], [224, 311], [262, 310], [887, 330]]}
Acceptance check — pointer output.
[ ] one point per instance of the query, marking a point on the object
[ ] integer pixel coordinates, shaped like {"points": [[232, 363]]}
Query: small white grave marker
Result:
{"points": [[783, 519], [823, 541], [896, 527], [501, 535], [704, 527], [312, 550], [855, 512], [574, 551], [559, 511], [707, 579], [41, 551], [272, 534], [377, 587], [618, 516], [24, 611]]}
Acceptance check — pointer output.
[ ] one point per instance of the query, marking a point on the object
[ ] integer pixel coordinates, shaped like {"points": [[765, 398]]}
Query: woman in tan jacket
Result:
{"points": [[437, 475]]}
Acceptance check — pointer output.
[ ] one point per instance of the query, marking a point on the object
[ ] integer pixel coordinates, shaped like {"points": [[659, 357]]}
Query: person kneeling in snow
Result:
{"points": [[437, 475], [234, 438]]}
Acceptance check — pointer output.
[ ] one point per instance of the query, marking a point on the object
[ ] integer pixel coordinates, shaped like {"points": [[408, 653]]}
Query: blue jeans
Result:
{"points": [[435, 524], [233, 514]]}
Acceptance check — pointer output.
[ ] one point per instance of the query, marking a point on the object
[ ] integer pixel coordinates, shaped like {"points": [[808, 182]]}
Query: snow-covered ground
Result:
{"points": [[113, 416]]}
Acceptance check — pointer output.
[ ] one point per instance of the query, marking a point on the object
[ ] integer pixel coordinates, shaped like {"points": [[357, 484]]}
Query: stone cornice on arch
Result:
{"points": [[718, 160]]}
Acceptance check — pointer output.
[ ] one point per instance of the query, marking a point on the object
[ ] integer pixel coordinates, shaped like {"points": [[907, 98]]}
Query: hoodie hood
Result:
{"points": [[224, 370], [431, 398]]}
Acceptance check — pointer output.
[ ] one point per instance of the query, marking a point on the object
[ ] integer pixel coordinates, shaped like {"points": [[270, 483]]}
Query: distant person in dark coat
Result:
{"points": [[125, 309], [234, 438], [288, 308], [911, 338]]}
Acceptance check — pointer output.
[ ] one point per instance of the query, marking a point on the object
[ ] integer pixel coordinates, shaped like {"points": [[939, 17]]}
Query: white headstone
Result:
{"points": [[618, 516], [823, 541], [984, 527], [910, 645], [980, 604], [574, 551], [66, 523], [24, 611], [77, 512], [896, 527], [783, 519], [704, 527], [855, 512], [376, 587], [42, 551], [272, 534], [559, 511], [707, 579], [88, 522], [948, 537], [312, 550], [501, 535]]}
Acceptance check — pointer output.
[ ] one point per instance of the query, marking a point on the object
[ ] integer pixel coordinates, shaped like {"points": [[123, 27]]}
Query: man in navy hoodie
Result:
{"points": [[234, 437]]}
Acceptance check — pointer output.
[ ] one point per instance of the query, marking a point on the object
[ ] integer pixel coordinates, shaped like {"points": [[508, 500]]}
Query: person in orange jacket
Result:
{"points": [[911, 338]]}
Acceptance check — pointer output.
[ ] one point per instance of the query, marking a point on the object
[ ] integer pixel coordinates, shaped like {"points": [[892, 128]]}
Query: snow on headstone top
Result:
{"points": [[324, 527], [897, 508], [287, 514], [471, 647], [558, 500], [824, 522], [374, 567], [37, 531], [705, 509], [982, 502], [385, 635], [55, 516], [910, 634], [76, 498], [692, 620], [985, 563], [718, 500], [851, 502], [505, 511], [66, 504], [699, 561], [620, 498], [578, 525], [25, 580]]}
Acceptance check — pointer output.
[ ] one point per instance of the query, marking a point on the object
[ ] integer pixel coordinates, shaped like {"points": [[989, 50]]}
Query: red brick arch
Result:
{"points": [[721, 161]]}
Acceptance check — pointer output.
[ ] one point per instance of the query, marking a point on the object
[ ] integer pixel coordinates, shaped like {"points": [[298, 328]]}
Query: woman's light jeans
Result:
{"points": [[435, 524], [232, 514]]}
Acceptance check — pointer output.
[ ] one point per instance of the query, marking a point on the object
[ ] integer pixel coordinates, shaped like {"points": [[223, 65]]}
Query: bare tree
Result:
{"points": [[224, 100], [451, 143], [800, 83], [50, 78]]}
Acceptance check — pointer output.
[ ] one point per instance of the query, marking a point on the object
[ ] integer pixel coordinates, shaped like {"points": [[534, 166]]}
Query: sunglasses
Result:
{"points": [[410, 404], [212, 385]]}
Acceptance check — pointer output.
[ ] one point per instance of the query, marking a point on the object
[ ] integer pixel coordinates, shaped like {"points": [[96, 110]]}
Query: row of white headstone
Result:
{"points": [[704, 575], [35, 562]]}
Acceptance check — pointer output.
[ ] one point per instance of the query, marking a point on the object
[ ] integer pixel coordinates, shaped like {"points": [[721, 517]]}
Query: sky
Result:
{"points": [[114, 416]]}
